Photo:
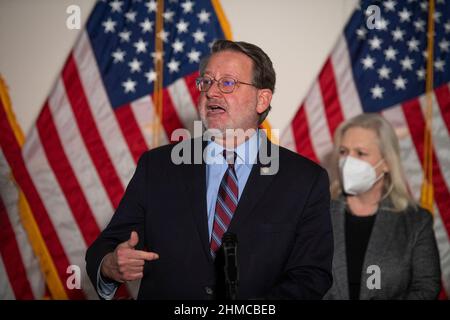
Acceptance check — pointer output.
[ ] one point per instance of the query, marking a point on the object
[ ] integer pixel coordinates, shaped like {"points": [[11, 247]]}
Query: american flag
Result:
{"points": [[20, 274], [98, 119], [378, 65]]}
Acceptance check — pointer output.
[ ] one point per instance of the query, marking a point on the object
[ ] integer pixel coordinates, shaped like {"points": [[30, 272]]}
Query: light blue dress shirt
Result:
{"points": [[216, 166]]}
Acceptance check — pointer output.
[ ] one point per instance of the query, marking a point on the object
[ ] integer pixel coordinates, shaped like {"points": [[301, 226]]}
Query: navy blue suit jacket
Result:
{"points": [[282, 222]]}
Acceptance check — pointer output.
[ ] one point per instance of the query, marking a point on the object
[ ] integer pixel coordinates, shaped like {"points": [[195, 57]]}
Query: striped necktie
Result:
{"points": [[227, 200]]}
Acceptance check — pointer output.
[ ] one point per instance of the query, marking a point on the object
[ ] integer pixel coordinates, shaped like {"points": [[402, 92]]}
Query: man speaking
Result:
{"points": [[169, 226]]}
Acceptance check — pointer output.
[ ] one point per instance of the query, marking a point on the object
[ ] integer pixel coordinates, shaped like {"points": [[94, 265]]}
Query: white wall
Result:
{"points": [[297, 34]]}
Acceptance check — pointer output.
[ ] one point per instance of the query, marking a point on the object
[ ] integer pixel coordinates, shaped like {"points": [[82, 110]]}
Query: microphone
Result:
{"points": [[229, 243]]}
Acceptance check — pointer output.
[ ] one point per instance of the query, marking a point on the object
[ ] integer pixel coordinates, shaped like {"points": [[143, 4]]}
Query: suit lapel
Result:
{"points": [[255, 187], [194, 178], [382, 233]]}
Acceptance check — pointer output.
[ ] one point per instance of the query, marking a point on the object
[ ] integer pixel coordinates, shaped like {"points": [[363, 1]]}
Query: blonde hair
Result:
{"points": [[394, 188]]}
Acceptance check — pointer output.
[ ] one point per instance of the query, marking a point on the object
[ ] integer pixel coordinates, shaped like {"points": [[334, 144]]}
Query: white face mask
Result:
{"points": [[358, 176]]}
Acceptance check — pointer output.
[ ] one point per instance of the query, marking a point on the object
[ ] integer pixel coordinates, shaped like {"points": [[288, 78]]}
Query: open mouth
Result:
{"points": [[215, 109]]}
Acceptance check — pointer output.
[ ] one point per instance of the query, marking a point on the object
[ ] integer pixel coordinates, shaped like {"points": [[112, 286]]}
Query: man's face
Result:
{"points": [[236, 110]]}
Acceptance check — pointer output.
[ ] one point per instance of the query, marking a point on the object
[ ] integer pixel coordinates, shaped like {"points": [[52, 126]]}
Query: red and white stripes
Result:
{"points": [[20, 275], [78, 159]]}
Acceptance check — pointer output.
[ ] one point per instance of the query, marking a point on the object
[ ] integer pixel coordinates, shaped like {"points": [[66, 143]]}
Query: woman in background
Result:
{"points": [[384, 242]]}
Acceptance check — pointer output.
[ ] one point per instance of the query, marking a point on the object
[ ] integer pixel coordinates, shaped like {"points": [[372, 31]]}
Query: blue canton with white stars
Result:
{"points": [[122, 34], [388, 54]]}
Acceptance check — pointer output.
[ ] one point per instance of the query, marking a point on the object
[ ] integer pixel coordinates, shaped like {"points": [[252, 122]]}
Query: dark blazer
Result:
{"points": [[282, 222], [402, 244]]}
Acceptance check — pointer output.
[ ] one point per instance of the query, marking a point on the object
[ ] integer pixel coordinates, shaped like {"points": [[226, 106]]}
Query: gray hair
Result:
{"points": [[264, 76], [395, 188]]}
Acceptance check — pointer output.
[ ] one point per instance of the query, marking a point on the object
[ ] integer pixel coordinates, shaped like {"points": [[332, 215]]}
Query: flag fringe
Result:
{"points": [[222, 19]]}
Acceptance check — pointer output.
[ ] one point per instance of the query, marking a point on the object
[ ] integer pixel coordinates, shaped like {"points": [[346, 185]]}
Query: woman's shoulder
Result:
{"points": [[413, 218], [418, 215]]}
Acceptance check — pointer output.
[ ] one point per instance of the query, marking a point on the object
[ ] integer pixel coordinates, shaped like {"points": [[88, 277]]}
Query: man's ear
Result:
{"points": [[264, 99]]}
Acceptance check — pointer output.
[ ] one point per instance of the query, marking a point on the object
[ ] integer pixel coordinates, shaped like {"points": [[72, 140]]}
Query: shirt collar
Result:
{"points": [[246, 152]]}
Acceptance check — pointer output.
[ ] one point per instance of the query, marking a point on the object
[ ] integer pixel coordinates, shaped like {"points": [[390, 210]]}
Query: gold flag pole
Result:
{"points": [[158, 62], [427, 192]]}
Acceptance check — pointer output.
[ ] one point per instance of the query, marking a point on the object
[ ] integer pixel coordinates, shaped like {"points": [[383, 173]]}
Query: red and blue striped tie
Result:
{"points": [[227, 200]]}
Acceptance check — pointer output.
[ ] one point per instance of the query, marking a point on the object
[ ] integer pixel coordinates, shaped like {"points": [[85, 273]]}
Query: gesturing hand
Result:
{"points": [[126, 263]]}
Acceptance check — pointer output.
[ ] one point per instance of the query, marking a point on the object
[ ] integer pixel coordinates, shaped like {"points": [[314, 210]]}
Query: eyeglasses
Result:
{"points": [[225, 84]]}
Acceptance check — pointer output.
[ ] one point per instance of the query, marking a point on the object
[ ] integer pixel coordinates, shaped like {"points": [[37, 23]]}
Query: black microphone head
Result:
{"points": [[229, 238]]}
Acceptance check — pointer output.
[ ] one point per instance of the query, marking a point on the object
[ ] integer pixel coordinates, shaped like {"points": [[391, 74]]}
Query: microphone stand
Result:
{"points": [[229, 242]]}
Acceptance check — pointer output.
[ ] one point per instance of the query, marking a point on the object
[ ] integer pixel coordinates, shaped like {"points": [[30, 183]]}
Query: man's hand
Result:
{"points": [[126, 263]]}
